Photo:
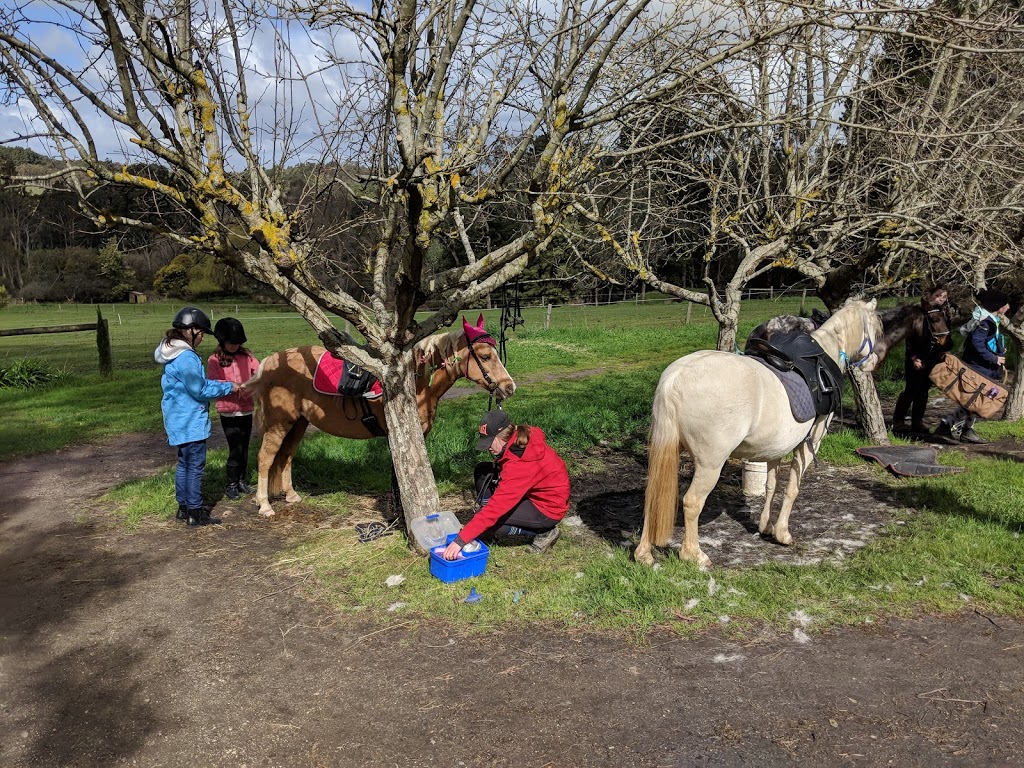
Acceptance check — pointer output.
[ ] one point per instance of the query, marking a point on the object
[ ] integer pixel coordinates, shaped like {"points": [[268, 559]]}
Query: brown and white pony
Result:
{"points": [[286, 403], [718, 405]]}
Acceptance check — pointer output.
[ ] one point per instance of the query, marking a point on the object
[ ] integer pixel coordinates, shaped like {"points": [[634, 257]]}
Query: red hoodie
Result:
{"points": [[539, 475]]}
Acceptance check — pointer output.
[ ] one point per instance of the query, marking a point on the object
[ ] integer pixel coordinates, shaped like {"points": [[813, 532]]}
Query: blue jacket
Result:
{"points": [[187, 392], [982, 348]]}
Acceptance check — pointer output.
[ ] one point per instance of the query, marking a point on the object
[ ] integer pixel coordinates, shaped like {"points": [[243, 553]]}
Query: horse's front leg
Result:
{"points": [[769, 495], [705, 479], [803, 455]]}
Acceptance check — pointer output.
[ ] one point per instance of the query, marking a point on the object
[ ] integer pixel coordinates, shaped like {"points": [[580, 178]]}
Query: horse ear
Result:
{"points": [[467, 328], [480, 321], [872, 304]]}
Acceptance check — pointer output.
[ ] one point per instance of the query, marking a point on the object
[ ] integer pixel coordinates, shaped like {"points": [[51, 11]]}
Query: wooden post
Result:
{"points": [[689, 311], [803, 302], [547, 319], [103, 344]]}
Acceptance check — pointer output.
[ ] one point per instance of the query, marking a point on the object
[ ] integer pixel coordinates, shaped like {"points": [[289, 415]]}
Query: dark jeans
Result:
{"points": [[914, 397], [188, 477], [524, 515], [237, 430]]}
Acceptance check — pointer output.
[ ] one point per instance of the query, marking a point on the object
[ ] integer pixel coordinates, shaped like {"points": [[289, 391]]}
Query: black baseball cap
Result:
{"points": [[490, 425]]}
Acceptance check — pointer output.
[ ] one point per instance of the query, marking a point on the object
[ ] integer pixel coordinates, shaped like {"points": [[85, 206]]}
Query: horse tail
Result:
{"points": [[254, 385], [662, 495]]}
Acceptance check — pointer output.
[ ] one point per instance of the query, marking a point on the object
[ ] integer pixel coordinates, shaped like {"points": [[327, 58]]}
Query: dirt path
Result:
{"points": [[173, 647]]}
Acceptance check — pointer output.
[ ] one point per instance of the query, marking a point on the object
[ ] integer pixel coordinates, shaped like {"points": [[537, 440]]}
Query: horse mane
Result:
{"points": [[842, 318], [434, 349]]}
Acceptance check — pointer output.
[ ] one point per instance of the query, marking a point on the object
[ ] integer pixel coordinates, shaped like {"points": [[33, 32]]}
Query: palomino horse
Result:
{"points": [[286, 403], [718, 405]]}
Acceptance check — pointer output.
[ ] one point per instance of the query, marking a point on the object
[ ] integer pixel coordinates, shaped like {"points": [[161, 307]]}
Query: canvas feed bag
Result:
{"points": [[968, 388]]}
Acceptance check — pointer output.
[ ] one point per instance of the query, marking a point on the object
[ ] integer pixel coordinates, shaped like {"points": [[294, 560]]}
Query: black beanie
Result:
{"points": [[992, 300]]}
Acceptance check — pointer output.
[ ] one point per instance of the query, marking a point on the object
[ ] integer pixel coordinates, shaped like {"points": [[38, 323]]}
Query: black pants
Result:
{"points": [[524, 515], [914, 397], [238, 430]]}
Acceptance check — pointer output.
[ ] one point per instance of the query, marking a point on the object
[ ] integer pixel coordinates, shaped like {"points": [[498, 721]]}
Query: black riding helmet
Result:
{"points": [[192, 317], [229, 331]]}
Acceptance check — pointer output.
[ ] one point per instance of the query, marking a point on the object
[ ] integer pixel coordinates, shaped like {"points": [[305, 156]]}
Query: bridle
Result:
{"points": [[867, 344], [492, 385]]}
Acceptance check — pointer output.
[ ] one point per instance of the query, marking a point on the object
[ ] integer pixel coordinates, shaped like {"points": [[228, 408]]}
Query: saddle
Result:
{"points": [[338, 377], [800, 353]]}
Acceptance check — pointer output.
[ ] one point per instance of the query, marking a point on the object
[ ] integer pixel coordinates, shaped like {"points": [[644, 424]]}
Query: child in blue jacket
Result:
{"points": [[185, 405]]}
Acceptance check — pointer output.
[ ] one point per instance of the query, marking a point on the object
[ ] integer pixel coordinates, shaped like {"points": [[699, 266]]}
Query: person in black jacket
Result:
{"points": [[928, 341], [985, 352]]}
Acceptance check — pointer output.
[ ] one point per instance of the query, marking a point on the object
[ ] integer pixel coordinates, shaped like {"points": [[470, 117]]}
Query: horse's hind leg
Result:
{"points": [[273, 437], [285, 456], [769, 495], [705, 478]]}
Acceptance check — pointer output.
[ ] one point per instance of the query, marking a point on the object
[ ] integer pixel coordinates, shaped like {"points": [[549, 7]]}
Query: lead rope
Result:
{"points": [[511, 317]]}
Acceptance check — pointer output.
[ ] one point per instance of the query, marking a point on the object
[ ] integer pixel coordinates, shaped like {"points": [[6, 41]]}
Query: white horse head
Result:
{"points": [[852, 335]]}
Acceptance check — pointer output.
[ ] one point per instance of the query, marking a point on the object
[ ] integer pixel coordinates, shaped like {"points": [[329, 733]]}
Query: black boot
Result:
{"points": [[198, 517], [244, 487], [232, 491], [182, 513]]}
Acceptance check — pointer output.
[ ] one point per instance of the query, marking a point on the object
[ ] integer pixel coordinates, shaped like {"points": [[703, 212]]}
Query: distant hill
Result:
{"points": [[23, 156]]}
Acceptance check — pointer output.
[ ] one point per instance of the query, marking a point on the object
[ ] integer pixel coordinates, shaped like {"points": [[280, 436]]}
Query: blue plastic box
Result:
{"points": [[465, 567]]}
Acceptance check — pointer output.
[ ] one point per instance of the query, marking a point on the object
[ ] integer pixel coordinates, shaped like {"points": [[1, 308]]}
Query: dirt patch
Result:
{"points": [[175, 647], [822, 529]]}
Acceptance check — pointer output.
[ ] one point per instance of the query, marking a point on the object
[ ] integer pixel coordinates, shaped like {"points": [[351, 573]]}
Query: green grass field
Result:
{"points": [[86, 406], [959, 542]]}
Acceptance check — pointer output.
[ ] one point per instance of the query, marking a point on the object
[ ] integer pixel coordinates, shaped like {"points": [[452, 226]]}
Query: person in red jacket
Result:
{"points": [[231, 361], [531, 493]]}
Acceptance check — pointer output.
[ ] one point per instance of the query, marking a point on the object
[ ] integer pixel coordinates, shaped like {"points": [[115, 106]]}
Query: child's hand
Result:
{"points": [[235, 386]]}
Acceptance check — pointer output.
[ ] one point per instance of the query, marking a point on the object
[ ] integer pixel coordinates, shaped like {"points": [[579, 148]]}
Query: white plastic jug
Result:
{"points": [[433, 530]]}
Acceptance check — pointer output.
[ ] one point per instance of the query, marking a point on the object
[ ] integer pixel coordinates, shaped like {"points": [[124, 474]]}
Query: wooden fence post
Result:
{"points": [[803, 302], [547, 319], [689, 311], [103, 344]]}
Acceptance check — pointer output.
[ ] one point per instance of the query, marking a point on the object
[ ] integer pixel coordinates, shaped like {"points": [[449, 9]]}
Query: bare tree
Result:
{"points": [[424, 111]]}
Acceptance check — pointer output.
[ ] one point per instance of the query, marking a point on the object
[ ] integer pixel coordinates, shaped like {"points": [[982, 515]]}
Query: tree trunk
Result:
{"points": [[869, 408], [1015, 402], [408, 447], [727, 313]]}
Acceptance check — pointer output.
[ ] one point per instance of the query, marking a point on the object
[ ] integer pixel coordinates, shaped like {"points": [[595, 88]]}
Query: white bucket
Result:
{"points": [[755, 477]]}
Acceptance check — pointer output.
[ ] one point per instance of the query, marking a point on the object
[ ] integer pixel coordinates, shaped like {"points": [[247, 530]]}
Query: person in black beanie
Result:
{"points": [[985, 352]]}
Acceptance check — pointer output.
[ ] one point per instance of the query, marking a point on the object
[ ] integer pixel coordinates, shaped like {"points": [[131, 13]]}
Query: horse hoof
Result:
{"points": [[645, 558], [292, 497], [699, 558], [267, 512], [783, 537]]}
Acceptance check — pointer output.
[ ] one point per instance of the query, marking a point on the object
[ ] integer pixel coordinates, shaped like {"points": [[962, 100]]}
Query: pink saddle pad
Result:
{"points": [[329, 370]]}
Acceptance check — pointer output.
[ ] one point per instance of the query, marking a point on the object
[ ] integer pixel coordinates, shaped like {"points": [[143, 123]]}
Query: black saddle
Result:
{"points": [[799, 352]]}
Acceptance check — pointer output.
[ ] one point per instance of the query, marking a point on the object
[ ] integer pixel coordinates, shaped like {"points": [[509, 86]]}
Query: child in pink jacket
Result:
{"points": [[231, 361]]}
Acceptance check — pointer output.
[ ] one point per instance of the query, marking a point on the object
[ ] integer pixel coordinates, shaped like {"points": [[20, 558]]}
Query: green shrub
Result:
{"points": [[29, 374]]}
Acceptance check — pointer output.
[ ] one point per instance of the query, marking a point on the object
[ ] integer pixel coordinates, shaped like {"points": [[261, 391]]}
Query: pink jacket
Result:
{"points": [[241, 370]]}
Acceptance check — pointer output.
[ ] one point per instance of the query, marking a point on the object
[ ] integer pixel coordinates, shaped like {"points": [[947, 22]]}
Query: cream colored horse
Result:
{"points": [[286, 403], [719, 405]]}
